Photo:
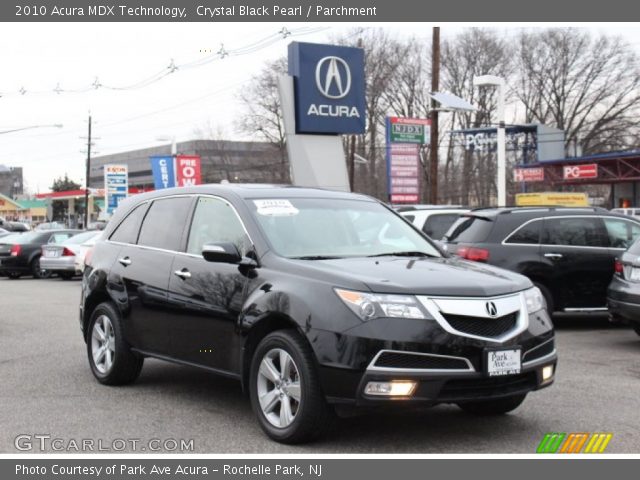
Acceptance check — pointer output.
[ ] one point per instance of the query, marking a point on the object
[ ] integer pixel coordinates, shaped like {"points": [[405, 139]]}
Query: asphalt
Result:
{"points": [[47, 389]]}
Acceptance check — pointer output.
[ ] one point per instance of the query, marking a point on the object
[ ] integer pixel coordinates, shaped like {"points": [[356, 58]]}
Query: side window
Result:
{"points": [[163, 225], [127, 231], [528, 234], [215, 221], [622, 233], [575, 231], [438, 224]]}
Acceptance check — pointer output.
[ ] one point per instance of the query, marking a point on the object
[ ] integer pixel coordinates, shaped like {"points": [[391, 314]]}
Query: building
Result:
{"points": [[248, 162], [11, 183], [28, 210]]}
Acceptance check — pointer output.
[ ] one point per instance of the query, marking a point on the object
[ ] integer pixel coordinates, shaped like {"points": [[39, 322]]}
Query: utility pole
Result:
{"points": [[435, 86], [87, 174], [351, 164]]}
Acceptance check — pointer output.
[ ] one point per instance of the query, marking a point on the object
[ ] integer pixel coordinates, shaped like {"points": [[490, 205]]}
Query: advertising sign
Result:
{"points": [[188, 170], [560, 199], [163, 171], [409, 130], [329, 88], [575, 172], [528, 174], [116, 186], [403, 172]]}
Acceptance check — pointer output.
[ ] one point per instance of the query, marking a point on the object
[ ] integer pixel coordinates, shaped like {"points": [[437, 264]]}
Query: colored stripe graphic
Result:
{"points": [[551, 442], [574, 442]]}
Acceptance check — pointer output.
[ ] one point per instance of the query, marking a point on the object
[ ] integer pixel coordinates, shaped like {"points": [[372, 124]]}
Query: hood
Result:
{"points": [[420, 276]]}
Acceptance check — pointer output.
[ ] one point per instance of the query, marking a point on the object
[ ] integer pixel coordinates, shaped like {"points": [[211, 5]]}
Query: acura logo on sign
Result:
{"points": [[491, 309], [333, 77]]}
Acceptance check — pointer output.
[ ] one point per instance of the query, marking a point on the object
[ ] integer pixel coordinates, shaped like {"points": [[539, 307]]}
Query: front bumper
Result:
{"points": [[13, 264]]}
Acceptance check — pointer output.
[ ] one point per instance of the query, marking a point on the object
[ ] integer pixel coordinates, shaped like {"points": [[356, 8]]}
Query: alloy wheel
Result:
{"points": [[279, 391], [103, 344]]}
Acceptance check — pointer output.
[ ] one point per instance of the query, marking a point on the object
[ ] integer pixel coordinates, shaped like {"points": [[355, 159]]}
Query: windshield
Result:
{"points": [[319, 227], [81, 238]]}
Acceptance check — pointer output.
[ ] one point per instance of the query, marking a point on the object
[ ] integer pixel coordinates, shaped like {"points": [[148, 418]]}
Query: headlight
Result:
{"points": [[535, 300], [368, 306]]}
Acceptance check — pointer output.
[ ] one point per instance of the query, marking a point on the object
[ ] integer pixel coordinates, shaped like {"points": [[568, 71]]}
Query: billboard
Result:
{"points": [[178, 171], [535, 174], [403, 164], [116, 186], [409, 130], [578, 172], [329, 88]]}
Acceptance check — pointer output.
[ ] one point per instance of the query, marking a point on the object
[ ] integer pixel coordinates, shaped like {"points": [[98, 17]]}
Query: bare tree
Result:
{"points": [[586, 85]]}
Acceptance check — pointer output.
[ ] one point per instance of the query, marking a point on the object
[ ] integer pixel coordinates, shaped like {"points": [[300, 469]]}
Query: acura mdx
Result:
{"points": [[313, 300]]}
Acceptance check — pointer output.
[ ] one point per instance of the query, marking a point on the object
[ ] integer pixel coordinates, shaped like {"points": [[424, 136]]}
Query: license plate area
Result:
{"points": [[51, 253], [502, 362], [635, 274]]}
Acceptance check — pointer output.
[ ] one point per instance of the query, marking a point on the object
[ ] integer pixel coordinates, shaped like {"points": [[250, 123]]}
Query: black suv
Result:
{"points": [[568, 253], [311, 299]]}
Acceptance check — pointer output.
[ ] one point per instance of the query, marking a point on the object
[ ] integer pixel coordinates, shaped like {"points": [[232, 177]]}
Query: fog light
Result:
{"points": [[547, 373], [395, 388]]}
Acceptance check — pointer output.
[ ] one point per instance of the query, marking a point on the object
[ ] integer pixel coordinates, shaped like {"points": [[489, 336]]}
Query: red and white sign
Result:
{"points": [[404, 172], [188, 170], [404, 198], [528, 174], [573, 172]]}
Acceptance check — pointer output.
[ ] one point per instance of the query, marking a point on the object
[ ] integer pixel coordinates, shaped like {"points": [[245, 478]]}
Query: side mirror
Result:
{"points": [[222, 252]]}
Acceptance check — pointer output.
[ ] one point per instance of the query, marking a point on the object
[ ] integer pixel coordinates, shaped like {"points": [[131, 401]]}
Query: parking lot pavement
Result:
{"points": [[47, 388]]}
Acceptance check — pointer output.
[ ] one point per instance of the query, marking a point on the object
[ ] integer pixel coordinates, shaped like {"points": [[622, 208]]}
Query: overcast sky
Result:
{"points": [[39, 57]]}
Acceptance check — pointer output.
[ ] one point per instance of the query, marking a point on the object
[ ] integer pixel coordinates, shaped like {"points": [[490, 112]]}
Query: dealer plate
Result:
{"points": [[503, 362]]}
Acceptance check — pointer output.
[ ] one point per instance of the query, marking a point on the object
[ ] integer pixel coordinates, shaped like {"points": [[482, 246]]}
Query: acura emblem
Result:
{"points": [[491, 309], [336, 81]]}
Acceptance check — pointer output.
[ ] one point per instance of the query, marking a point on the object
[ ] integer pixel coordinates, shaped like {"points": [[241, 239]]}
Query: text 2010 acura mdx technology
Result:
{"points": [[312, 299]]}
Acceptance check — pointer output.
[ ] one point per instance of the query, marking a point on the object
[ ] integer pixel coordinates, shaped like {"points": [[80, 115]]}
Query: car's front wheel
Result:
{"points": [[285, 389], [110, 357], [37, 271], [493, 407]]}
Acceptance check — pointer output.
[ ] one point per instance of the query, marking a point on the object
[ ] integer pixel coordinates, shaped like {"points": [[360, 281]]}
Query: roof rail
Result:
{"points": [[517, 208]]}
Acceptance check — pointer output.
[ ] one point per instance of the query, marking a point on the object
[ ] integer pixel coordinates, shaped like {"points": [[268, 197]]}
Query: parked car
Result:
{"points": [[15, 226], [568, 253], [311, 299], [434, 221], [60, 258], [50, 226], [623, 296], [4, 233], [20, 252], [85, 252]]}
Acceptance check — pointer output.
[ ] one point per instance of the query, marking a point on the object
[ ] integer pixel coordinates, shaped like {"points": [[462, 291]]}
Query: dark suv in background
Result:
{"points": [[569, 253]]}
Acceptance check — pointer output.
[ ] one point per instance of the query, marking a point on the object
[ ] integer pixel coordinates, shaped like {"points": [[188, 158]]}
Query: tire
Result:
{"points": [[636, 327], [493, 407], [125, 366], [14, 275], [548, 297], [309, 414], [36, 271], [66, 275]]}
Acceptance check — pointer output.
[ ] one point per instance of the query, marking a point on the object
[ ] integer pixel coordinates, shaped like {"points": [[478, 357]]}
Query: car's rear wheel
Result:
{"points": [[285, 389], [110, 357], [548, 297], [493, 407], [37, 271]]}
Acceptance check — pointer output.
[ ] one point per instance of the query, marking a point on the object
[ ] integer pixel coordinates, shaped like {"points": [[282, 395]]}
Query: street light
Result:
{"points": [[55, 125], [499, 83]]}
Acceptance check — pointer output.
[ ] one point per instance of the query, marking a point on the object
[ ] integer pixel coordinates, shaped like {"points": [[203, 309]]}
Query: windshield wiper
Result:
{"points": [[316, 257], [403, 254]]}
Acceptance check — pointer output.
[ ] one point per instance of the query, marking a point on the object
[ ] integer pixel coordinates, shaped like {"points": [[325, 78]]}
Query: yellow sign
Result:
{"points": [[556, 199]]}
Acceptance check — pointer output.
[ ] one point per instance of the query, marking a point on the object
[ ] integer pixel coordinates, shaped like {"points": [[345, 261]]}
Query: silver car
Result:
{"points": [[61, 258]]}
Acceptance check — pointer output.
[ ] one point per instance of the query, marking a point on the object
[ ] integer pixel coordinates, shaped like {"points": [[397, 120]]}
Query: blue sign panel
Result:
{"points": [[329, 88], [163, 171], [116, 186]]}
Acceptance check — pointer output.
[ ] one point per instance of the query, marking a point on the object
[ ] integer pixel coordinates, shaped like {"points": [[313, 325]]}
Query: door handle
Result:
{"points": [[126, 261], [183, 274], [553, 255]]}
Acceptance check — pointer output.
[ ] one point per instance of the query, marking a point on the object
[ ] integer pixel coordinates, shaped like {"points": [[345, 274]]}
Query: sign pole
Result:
{"points": [[87, 175], [433, 150]]}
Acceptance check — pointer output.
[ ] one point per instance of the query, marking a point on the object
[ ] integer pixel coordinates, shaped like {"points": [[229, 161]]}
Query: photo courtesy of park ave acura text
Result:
{"points": [[252, 239]]}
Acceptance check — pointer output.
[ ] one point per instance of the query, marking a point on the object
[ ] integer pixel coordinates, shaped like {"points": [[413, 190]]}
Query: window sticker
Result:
{"points": [[276, 207]]}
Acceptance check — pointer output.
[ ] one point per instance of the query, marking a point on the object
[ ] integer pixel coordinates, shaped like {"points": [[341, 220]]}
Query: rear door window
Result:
{"points": [[622, 233], [470, 229], [527, 234], [575, 231], [164, 224], [438, 224], [127, 231]]}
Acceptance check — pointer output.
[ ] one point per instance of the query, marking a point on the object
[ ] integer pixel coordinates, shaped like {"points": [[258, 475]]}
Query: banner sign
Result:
{"points": [[329, 88], [409, 130], [188, 170], [181, 171], [528, 174], [163, 171], [403, 164], [116, 186], [576, 172]]}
